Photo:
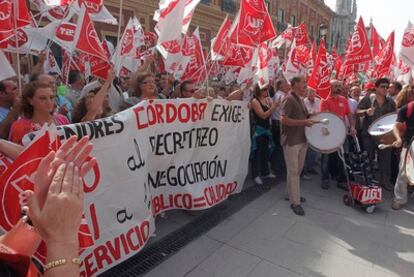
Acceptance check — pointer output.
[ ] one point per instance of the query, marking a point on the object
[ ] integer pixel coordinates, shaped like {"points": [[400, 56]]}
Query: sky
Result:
{"points": [[387, 15]]}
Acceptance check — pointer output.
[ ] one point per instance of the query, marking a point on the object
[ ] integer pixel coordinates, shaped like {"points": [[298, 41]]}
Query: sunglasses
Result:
{"points": [[384, 86]]}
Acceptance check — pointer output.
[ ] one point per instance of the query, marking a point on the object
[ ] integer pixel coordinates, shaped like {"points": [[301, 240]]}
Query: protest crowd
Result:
{"points": [[283, 93]]}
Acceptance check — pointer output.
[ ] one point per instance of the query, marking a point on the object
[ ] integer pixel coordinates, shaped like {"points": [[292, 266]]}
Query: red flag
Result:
{"points": [[58, 2], [238, 55], [337, 66], [6, 20], [375, 41], [23, 16], [221, 43], [286, 37], [310, 64], [86, 38], [302, 54], [358, 50], [196, 69], [254, 24], [384, 59], [301, 35], [99, 68], [264, 56], [8, 13], [320, 79]]}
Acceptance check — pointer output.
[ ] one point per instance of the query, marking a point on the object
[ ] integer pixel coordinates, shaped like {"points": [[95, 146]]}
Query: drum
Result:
{"points": [[329, 137], [409, 163], [381, 129]]}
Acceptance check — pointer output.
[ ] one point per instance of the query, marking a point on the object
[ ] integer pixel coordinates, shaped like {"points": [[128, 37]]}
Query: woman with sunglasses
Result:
{"points": [[144, 89]]}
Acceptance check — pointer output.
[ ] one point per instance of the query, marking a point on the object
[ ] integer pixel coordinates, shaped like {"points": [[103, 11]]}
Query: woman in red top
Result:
{"points": [[38, 105]]}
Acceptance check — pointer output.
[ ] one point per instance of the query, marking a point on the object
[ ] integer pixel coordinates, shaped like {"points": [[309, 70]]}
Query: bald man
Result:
{"points": [[331, 163]]}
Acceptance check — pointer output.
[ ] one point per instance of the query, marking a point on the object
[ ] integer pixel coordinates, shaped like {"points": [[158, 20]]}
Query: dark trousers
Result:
{"points": [[277, 159], [260, 160], [332, 165]]}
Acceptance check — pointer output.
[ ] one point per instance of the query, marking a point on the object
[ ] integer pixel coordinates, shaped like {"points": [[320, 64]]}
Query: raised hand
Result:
{"points": [[70, 151]]}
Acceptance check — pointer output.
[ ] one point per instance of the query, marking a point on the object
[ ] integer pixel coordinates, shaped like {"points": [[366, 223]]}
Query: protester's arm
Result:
{"points": [[10, 149], [351, 120], [364, 107], [235, 95], [259, 111], [396, 130], [285, 118], [13, 115], [58, 221], [98, 99], [38, 68], [295, 122]]}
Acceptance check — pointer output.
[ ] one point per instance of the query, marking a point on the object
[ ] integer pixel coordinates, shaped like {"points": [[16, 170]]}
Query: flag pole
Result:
{"points": [[19, 79], [121, 4]]}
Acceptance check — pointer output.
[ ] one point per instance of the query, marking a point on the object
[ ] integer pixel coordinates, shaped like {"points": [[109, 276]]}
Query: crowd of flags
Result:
{"points": [[245, 49]]}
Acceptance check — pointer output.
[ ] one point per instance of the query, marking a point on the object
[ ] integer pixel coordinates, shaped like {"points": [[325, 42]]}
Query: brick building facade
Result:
{"points": [[209, 15]]}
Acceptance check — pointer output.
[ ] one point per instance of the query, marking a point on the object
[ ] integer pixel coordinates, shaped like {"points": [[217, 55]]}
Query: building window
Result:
{"points": [[293, 20], [112, 39], [202, 36], [228, 6], [280, 16], [268, 6]]}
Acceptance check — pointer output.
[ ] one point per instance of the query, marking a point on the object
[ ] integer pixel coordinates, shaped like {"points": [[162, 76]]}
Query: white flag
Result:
{"points": [[50, 65], [407, 47], [170, 21], [7, 70]]}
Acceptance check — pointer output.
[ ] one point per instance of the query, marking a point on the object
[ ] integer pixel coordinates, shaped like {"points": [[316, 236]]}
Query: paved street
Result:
{"points": [[265, 239]]}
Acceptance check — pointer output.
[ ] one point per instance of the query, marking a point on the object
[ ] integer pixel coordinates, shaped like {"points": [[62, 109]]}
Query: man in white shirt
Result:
{"points": [[277, 159], [312, 104]]}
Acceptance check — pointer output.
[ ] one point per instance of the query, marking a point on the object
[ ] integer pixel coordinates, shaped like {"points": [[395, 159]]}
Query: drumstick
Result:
{"points": [[324, 121], [384, 146], [372, 98]]}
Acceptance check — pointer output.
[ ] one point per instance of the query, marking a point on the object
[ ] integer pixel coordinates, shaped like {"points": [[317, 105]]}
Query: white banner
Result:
{"points": [[157, 156]]}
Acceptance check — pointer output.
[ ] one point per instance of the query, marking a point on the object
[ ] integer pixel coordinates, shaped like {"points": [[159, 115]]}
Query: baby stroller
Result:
{"points": [[363, 191]]}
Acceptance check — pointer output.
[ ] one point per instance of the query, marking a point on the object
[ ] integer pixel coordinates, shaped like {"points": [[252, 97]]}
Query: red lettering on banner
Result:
{"points": [[101, 254], [163, 202], [89, 266], [156, 113], [113, 250], [212, 195], [218, 193], [171, 112], [95, 224], [134, 247], [125, 244]]}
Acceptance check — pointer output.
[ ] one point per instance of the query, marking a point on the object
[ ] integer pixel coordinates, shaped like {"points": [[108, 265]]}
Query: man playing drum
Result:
{"points": [[293, 120], [373, 108], [400, 189], [331, 163]]}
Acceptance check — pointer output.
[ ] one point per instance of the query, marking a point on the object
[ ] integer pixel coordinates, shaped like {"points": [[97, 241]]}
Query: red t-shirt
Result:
{"points": [[336, 104], [22, 265], [23, 126]]}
